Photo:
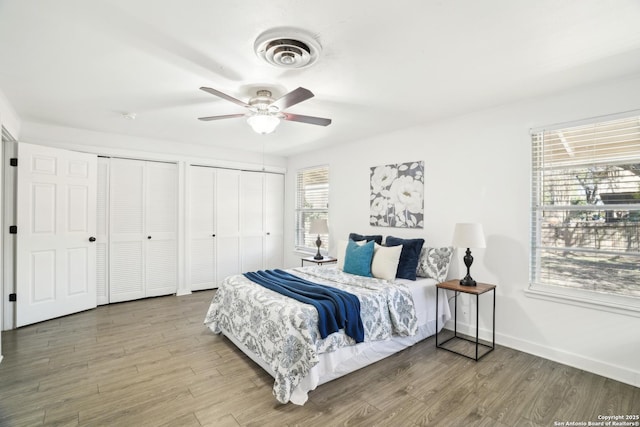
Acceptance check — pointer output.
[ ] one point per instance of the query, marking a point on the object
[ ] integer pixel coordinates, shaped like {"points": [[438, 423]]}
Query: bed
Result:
{"points": [[281, 334]]}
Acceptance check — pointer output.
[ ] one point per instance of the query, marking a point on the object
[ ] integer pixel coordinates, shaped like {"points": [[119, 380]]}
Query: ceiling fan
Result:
{"points": [[265, 113]]}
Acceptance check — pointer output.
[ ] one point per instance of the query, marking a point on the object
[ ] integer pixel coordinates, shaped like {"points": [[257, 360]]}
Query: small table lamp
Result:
{"points": [[318, 226], [468, 235]]}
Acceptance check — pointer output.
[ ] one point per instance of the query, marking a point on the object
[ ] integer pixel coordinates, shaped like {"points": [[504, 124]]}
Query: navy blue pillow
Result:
{"points": [[359, 237], [357, 259], [409, 256]]}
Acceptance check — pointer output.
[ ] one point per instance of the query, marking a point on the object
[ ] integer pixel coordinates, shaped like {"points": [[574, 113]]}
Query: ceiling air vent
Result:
{"points": [[287, 48]]}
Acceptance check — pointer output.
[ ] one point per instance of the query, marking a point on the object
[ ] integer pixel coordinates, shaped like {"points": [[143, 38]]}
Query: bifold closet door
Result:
{"points": [[143, 228], [202, 228], [102, 232], [235, 223], [252, 221], [161, 210], [262, 218], [126, 272], [274, 220], [227, 220]]}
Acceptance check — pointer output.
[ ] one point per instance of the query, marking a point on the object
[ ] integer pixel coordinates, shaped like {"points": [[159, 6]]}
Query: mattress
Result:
{"points": [[338, 361]]}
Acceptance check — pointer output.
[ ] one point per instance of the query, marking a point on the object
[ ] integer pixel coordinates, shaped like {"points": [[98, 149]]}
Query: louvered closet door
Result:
{"points": [[160, 228], [252, 221], [102, 233], [227, 221], [127, 270], [274, 220], [202, 228]]}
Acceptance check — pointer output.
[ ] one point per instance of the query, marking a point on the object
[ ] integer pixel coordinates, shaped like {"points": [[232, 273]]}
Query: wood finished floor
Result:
{"points": [[153, 363]]}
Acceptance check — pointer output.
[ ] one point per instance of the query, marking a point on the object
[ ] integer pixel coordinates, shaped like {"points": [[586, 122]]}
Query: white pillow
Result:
{"points": [[434, 263], [385, 261]]}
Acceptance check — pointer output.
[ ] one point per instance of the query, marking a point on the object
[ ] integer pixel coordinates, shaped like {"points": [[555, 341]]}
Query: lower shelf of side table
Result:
{"points": [[464, 346]]}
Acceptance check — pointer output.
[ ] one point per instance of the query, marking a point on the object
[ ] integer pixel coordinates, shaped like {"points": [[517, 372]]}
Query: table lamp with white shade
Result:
{"points": [[319, 226], [468, 235]]}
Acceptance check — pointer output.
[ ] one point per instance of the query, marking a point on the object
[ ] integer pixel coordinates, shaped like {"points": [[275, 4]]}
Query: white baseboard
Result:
{"points": [[183, 293], [599, 367], [618, 373]]}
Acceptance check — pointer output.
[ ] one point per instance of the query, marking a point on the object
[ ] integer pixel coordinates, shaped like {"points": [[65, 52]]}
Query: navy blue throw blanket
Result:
{"points": [[337, 309]]}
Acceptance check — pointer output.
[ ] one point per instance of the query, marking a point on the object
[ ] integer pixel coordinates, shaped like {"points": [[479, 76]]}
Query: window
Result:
{"points": [[585, 231], [312, 202]]}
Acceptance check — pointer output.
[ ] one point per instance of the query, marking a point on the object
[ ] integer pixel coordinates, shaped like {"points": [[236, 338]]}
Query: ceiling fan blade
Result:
{"points": [[292, 98], [228, 116], [225, 96], [307, 119]]}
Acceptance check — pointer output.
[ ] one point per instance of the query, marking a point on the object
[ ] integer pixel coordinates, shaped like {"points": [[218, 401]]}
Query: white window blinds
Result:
{"points": [[586, 207], [312, 202]]}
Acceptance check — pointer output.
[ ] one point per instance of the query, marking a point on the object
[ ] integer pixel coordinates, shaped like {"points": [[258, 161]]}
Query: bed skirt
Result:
{"points": [[345, 360]]}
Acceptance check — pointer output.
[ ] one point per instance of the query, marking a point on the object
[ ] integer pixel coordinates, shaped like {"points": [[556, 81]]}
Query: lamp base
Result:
{"points": [[318, 255], [468, 260], [467, 281]]}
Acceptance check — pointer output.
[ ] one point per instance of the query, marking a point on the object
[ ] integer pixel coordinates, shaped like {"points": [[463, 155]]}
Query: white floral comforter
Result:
{"points": [[284, 332]]}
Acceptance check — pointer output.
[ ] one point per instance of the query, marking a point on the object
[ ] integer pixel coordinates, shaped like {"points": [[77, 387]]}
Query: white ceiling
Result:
{"points": [[383, 66]]}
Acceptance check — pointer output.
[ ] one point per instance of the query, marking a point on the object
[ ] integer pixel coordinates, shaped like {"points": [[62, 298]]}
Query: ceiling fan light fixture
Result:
{"points": [[265, 113], [263, 123]]}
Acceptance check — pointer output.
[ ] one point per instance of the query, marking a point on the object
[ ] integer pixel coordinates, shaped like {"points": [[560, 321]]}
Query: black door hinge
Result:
{"points": [[13, 229], [13, 161], [13, 297]]}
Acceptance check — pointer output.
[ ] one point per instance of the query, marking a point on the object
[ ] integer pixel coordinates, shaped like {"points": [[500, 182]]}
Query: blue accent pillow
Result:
{"points": [[357, 258], [359, 237], [409, 256]]}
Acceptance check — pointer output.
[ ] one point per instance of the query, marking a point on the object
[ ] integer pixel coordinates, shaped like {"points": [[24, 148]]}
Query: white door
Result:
{"points": [[55, 245], [102, 231], [126, 253], [143, 228], [227, 222], [252, 221], [161, 221], [202, 228], [274, 220]]}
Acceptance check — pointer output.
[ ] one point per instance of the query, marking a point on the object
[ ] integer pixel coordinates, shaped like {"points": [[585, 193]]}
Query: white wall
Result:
{"points": [[477, 168], [113, 144], [10, 121]]}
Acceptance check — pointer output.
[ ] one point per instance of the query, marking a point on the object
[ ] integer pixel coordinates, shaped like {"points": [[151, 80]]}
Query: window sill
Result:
{"points": [[628, 306]]}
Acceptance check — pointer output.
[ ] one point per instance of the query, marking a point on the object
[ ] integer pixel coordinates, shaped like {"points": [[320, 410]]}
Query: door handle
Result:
{"points": [[92, 239], [213, 235], [148, 237]]}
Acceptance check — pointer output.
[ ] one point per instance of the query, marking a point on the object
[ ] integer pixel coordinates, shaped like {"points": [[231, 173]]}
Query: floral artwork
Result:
{"points": [[397, 195]]}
